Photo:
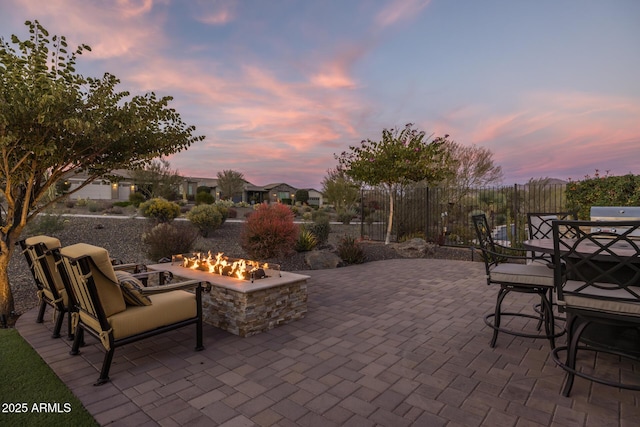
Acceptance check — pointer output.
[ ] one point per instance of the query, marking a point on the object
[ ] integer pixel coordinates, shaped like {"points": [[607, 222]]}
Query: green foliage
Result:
{"points": [[46, 224], [269, 232], [339, 189], [166, 239], [62, 186], [223, 208], [230, 182], [157, 179], [204, 198], [136, 198], [55, 122], [302, 196], [306, 240], [350, 251], [93, 206], [160, 210], [346, 216], [122, 204], [205, 217], [401, 157], [603, 191], [320, 228], [25, 377]]}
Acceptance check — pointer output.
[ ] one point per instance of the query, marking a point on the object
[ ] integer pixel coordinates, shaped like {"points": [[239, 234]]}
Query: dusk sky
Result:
{"points": [[551, 87]]}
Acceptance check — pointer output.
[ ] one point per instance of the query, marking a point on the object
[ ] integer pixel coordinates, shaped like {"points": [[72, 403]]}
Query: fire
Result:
{"points": [[220, 264]]}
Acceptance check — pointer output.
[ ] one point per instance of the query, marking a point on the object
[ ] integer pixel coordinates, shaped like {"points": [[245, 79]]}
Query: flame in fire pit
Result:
{"points": [[220, 264]]}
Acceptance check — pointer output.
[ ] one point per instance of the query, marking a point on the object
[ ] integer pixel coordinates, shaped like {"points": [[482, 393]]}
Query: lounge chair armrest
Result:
{"points": [[189, 284], [137, 268], [503, 256]]}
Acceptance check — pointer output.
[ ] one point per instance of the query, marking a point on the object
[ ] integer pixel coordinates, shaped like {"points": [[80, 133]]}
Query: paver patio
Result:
{"points": [[393, 343]]}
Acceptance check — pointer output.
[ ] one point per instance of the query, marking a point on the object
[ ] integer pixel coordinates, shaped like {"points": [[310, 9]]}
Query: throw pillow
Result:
{"points": [[131, 289]]}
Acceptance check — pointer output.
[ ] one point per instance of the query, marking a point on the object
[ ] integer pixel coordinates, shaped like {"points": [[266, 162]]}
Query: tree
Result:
{"points": [[302, 196], [400, 158], [156, 179], [230, 182], [473, 167], [54, 121], [339, 189]]}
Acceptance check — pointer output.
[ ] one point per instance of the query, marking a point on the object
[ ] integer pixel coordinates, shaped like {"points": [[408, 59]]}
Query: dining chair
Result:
{"points": [[539, 227], [508, 268], [597, 276]]}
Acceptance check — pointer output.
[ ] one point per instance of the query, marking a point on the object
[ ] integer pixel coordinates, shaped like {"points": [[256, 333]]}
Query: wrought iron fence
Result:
{"points": [[443, 215]]}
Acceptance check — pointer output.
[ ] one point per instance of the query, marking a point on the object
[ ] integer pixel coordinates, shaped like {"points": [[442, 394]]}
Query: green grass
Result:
{"points": [[27, 383]]}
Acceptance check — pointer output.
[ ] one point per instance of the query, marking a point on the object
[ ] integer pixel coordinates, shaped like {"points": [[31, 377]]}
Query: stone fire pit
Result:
{"points": [[247, 307]]}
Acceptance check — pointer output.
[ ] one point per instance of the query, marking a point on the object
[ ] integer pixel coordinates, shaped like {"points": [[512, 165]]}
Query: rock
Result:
{"points": [[318, 260], [415, 248]]}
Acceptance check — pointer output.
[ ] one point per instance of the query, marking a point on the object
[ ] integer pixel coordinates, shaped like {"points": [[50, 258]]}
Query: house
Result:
{"points": [[120, 189], [102, 189]]}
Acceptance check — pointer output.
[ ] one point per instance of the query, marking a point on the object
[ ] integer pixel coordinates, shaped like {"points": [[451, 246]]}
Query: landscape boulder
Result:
{"points": [[321, 259], [415, 248]]}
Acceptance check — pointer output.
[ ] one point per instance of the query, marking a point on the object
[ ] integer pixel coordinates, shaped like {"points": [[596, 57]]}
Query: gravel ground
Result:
{"points": [[121, 236]]}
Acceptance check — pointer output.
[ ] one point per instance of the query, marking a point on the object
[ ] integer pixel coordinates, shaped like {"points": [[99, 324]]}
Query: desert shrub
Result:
{"points": [[205, 217], [122, 204], [295, 210], [115, 210], [204, 198], [46, 224], [232, 213], [136, 199], [93, 206], [81, 202], [320, 215], [159, 210], [350, 250], [166, 239], [307, 216], [269, 232], [306, 240], [320, 228], [223, 208], [346, 216]]}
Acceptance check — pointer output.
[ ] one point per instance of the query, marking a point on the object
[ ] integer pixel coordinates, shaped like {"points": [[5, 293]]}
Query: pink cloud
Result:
{"points": [[400, 10]]}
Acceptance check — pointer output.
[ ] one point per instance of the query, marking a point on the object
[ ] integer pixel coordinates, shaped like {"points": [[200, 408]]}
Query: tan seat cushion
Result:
{"points": [[49, 243], [531, 274], [166, 309], [107, 285], [131, 289], [625, 303]]}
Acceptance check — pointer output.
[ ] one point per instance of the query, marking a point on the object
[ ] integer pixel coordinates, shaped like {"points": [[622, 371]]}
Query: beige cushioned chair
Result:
{"points": [[103, 313], [51, 290]]}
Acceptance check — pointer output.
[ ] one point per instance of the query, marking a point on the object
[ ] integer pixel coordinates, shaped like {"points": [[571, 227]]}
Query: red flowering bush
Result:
{"points": [[269, 232]]}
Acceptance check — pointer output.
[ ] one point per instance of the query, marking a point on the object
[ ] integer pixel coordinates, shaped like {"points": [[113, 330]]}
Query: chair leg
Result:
{"points": [[77, 341], [43, 306], [106, 365], [496, 319], [548, 318], [69, 329], [58, 325], [576, 329]]}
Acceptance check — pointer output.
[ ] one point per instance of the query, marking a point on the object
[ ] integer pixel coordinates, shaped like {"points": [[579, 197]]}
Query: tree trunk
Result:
{"points": [[6, 296], [387, 238]]}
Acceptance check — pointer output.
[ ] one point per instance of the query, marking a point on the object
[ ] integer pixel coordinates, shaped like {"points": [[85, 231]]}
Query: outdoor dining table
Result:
{"points": [[624, 339]]}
